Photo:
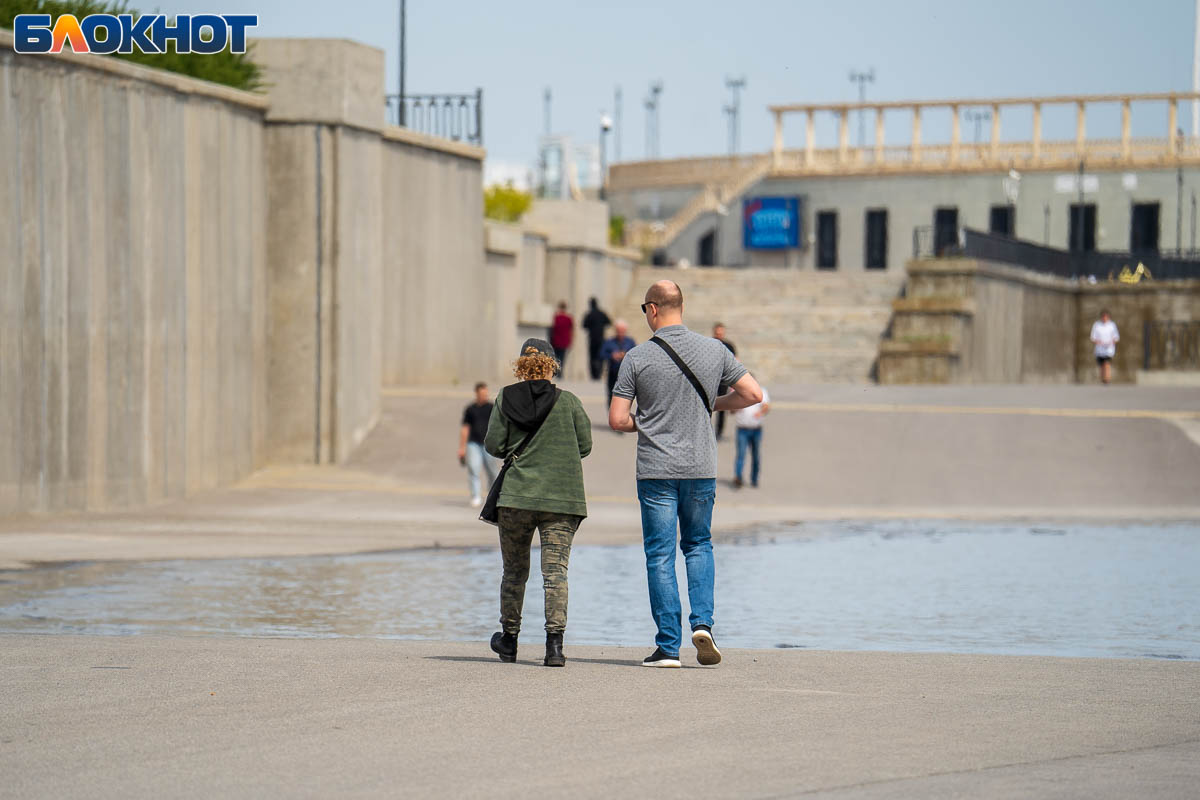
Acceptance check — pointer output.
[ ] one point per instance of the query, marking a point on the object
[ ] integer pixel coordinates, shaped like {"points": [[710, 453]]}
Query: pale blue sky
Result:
{"points": [[794, 51]]}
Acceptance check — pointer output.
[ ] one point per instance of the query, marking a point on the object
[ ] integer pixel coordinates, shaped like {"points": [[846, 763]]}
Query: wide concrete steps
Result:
{"points": [[811, 363], [792, 326]]}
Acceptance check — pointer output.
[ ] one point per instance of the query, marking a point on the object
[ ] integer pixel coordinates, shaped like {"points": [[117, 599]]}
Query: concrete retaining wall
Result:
{"points": [[967, 321], [133, 343], [530, 272], [202, 280], [432, 281]]}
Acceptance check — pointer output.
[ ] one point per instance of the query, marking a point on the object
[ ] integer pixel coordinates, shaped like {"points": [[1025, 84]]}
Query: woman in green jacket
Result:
{"points": [[543, 489]]}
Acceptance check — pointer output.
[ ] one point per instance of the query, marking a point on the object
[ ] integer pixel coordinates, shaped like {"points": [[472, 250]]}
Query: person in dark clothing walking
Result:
{"points": [[562, 331], [470, 443], [542, 490], [613, 353], [719, 335], [595, 322]]}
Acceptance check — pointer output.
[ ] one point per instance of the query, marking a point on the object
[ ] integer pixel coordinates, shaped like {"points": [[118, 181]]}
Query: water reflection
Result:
{"points": [[1127, 591]]}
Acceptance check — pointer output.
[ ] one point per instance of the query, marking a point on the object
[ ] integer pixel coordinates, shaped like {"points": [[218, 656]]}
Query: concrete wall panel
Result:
{"points": [[433, 267], [128, 334]]}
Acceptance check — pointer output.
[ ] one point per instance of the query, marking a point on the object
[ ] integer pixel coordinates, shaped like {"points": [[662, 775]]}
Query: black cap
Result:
{"points": [[542, 347]]}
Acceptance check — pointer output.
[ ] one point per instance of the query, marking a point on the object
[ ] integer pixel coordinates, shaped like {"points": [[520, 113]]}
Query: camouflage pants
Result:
{"points": [[516, 537]]}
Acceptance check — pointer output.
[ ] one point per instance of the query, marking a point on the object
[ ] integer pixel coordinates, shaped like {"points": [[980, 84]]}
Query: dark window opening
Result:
{"points": [[1082, 235], [945, 230], [1143, 228], [876, 250], [827, 240], [707, 257], [1003, 221]]}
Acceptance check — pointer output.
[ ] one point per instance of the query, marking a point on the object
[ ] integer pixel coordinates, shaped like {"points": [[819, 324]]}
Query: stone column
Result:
{"points": [[1037, 132], [995, 131], [955, 134], [843, 135], [1172, 122], [916, 135], [1080, 128], [879, 136], [810, 136], [1126, 150], [777, 151]]}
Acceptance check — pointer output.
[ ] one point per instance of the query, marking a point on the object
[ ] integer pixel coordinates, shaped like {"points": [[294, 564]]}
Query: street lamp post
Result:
{"points": [[862, 79], [605, 126], [400, 97], [977, 117], [734, 85]]}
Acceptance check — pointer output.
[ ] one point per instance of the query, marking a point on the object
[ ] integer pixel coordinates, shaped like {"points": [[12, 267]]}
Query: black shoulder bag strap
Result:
{"points": [[691, 376], [490, 513]]}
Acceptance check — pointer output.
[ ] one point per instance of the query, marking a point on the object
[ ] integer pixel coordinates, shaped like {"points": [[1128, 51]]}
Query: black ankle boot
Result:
{"points": [[554, 654], [505, 645]]}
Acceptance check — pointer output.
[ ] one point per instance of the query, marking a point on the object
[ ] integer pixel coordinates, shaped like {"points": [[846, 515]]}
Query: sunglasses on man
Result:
{"points": [[650, 303]]}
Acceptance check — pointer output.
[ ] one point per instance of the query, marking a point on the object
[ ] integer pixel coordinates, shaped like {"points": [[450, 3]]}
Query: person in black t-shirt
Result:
{"points": [[719, 335], [470, 443]]}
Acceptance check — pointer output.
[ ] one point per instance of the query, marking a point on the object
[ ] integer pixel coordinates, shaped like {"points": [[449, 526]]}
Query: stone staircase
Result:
{"points": [[789, 326], [712, 197]]}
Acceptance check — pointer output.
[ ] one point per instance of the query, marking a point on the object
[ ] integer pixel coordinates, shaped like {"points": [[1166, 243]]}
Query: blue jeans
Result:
{"points": [[687, 504], [479, 461], [752, 438]]}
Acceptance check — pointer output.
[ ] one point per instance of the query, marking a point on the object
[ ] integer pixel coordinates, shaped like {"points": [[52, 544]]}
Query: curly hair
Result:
{"points": [[535, 366]]}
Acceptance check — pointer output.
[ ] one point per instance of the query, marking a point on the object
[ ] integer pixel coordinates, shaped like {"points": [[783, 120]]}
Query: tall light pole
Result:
{"points": [[977, 117], [735, 85], [651, 104], [862, 79], [400, 96], [617, 125], [1196, 74], [605, 126]]}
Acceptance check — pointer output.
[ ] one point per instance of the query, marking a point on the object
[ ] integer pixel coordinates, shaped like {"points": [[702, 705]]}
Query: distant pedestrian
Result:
{"points": [[561, 333], [749, 421], [595, 322], [545, 433], [614, 351], [674, 377], [1105, 336], [719, 335], [471, 452]]}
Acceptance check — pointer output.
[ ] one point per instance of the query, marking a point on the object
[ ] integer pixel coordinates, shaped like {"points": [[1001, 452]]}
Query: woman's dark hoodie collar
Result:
{"points": [[527, 403]]}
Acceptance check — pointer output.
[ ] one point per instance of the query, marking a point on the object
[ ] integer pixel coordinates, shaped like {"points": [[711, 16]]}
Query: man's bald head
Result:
{"points": [[666, 295]]}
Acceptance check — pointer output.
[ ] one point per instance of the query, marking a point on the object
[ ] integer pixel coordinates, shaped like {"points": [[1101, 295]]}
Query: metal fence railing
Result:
{"points": [[458, 117], [1128, 267], [1171, 345], [1006, 250]]}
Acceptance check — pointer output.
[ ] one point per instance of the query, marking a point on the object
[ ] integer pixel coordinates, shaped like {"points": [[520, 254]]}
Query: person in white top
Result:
{"points": [[1105, 336], [749, 422]]}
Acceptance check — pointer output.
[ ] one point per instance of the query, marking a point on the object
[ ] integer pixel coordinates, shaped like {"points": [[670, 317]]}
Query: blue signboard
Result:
{"points": [[770, 223]]}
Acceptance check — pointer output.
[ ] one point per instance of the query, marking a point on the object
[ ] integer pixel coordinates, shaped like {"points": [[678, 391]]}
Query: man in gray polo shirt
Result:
{"points": [[677, 461]]}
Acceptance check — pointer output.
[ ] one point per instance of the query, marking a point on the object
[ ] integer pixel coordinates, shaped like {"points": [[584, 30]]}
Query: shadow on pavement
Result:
{"points": [[535, 663], [482, 659]]}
